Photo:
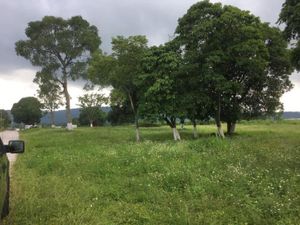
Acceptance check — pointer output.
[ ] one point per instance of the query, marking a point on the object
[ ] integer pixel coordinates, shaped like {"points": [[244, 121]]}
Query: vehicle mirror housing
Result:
{"points": [[16, 146]]}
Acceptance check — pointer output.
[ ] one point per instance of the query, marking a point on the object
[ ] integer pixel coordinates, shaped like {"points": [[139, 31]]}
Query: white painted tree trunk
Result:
{"points": [[137, 133], [195, 131], [176, 134], [91, 124], [220, 132], [69, 126]]}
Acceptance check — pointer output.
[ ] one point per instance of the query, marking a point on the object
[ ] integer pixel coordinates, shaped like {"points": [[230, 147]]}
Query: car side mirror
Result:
{"points": [[16, 146]]}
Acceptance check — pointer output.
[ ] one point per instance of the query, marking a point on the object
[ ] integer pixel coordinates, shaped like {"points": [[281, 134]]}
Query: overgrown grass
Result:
{"points": [[101, 176]]}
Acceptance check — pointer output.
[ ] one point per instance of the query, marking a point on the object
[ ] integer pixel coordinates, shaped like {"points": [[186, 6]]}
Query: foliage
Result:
{"points": [[121, 69], [4, 119], [162, 83], [121, 112], [290, 15], [27, 110], [48, 93], [61, 48], [91, 108], [93, 116], [107, 178], [246, 70]]}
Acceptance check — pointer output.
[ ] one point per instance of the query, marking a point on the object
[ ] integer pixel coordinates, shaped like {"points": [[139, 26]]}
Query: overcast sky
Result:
{"points": [[156, 19]]}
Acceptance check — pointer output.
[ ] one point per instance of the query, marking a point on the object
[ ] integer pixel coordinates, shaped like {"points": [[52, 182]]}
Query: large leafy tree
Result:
{"points": [[60, 47], [290, 15], [250, 61], [4, 118], [27, 110], [90, 105], [162, 82], [48, 93], [121, 70]]}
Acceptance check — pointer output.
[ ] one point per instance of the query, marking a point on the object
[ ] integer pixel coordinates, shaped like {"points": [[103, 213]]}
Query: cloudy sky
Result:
{"points": [[156, 19]]}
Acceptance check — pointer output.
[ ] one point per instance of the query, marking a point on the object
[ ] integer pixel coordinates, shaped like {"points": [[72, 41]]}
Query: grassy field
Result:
{"points": [[101, 176]]}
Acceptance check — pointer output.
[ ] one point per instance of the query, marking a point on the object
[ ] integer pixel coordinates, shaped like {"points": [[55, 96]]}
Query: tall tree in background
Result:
{"points": [[49, 93], [4, 119], [121, 70], [61, 47], [250, 61], [28, 110], [290, 15], [90, 105]]}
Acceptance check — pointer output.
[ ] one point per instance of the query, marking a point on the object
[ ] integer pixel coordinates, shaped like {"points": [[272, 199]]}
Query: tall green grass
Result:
{"points": [[101, 176]]}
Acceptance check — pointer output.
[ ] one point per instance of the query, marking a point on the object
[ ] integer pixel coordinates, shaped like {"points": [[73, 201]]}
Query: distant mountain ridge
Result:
{"points": [[291, 115], [61, 118]]}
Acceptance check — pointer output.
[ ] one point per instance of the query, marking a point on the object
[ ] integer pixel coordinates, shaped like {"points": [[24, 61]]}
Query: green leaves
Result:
{"points": [[235, 56], [27, 110], [290, 15]]}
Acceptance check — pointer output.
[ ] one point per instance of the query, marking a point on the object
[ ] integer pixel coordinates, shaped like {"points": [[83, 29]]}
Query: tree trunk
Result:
{"points": [[174, 134], [195, 133], [177, 134], [220, 132], [52, 118], [136, 119], [137, 129], [91, 124], [172, 124], [230, 128], [68, 107], [181, 124]]}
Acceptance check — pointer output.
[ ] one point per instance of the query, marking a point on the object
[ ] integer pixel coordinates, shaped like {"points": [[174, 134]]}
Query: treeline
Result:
{"points": [[223, 63]]}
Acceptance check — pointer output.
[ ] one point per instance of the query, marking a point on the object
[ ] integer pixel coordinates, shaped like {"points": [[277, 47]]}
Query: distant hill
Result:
{"points": [[60, 116], [291, 115]]}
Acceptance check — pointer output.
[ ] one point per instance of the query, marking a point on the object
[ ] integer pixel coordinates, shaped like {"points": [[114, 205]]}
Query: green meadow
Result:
{"points": [[102, 176]]}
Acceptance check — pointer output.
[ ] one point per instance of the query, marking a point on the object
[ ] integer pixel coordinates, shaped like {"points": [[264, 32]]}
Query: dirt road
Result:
{"points": [[7, 136]]}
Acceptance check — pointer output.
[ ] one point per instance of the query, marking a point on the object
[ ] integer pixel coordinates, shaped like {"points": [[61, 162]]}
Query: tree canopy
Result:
{"points": [[121, 69], [27, 111], [249, 62], [61, 48], [290, 15], [162, 83], [4, 118], [90, 105]]}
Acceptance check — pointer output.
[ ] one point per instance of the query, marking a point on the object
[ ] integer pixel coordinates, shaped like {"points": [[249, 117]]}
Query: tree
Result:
{"points": [[48, 93], [121, 70], [60, 47], [99, 117], [162, 84], [121, 112], [290, 15], [234, 66], [27, 110], [90, 107], [4, 119]]}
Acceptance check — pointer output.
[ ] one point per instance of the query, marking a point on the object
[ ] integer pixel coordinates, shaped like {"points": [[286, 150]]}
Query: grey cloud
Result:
{"points": [[156, 19]]}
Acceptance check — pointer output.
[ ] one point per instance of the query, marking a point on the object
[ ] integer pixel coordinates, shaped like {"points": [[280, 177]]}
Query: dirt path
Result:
{"points": [[7, 136]]}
